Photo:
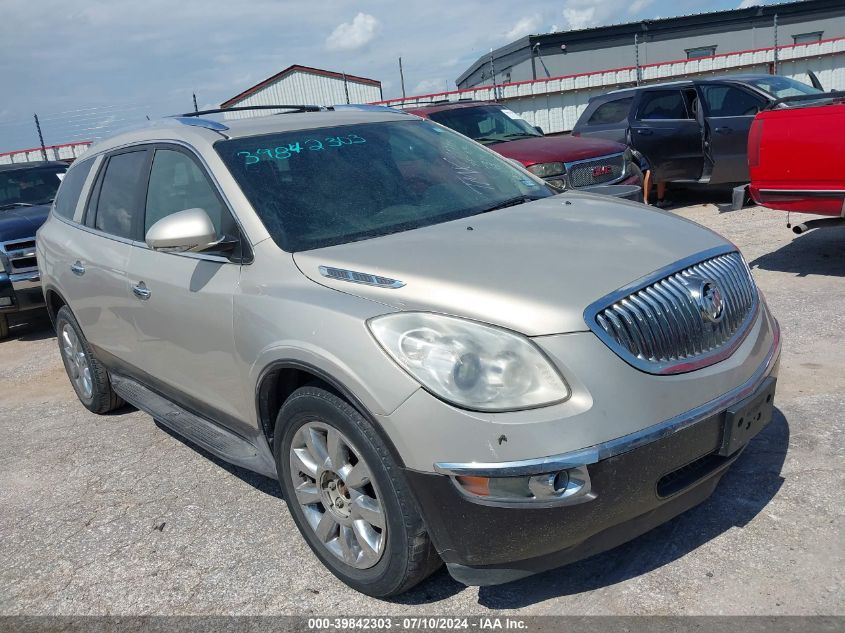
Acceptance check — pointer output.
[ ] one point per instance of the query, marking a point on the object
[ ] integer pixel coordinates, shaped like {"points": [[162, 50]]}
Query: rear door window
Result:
{"points": [[662, 105], [611, 112], [118, 204], [725, 100], [71, 188]]}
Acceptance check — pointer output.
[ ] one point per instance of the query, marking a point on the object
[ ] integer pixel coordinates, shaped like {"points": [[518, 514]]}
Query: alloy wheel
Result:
{"points": [[338, 497], [77, 361]]}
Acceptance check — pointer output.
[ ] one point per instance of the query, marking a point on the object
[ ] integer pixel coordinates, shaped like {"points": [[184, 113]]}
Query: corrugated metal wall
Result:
{"points": [[556, 103], [300, 88], [67, 151]]}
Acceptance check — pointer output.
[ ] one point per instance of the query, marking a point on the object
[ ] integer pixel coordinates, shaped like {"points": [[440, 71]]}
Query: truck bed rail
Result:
{"points": [[825, 98]]}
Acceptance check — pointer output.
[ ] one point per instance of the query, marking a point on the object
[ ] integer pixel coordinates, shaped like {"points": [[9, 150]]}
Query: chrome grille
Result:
{"points": [[596, 171], [19, 255], [663, 327]]}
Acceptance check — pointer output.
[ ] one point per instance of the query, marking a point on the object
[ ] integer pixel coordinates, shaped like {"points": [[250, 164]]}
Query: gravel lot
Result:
{"points": [[114, 515]]}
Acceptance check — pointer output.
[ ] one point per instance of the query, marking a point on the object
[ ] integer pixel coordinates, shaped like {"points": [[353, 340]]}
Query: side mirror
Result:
{"points": [[540, 130], [190, 230]]}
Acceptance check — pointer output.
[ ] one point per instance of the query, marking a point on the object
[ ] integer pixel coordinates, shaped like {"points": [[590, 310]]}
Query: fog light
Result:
{"points": [[573, 483]]}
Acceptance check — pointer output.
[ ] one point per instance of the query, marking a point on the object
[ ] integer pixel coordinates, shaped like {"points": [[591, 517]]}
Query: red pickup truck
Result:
{"points": [[796, 157]]}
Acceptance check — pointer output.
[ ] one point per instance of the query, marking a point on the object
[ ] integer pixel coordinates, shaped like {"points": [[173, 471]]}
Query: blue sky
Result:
{"points": [[89, 66]]}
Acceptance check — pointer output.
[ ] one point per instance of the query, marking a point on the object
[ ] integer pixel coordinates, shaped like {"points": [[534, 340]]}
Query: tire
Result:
{"points": [[4, 326], [88, 377], [405, 554]]}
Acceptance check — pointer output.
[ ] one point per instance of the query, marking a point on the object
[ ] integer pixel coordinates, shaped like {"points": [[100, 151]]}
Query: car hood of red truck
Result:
{"points": [[549, 149]]}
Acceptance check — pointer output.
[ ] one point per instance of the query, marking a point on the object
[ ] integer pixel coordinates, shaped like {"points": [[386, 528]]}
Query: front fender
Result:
{"points": [[375, 385]]}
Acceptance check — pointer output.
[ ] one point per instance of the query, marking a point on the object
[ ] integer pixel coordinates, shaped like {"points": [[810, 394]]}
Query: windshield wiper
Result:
{"points": [[488, 139], [521, 134], [14, 205], [512, 202]]}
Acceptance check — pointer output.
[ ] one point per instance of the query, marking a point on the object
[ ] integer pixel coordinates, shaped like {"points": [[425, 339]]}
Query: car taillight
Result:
{"points": [[755, 134]]}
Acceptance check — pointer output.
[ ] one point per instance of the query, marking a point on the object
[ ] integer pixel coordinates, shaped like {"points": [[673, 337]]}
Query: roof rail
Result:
{"points": [[200, 122], [292, 108], [833, 95]]}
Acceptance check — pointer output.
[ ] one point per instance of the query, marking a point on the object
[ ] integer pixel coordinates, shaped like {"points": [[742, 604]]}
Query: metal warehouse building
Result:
{"points": [[806, 37], [655, 41], [302, 85]]}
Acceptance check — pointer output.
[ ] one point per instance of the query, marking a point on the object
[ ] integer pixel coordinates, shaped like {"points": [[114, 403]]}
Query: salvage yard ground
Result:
{"points": [[115, 515]]}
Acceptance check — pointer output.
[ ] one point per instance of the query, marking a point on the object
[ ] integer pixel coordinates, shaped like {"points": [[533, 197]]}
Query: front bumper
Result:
{"points": [[632, 192], [20, 291], [628, 187], [637, 483]]}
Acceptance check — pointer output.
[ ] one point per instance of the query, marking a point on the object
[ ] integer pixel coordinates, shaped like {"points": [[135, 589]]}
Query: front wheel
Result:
{"points": [[348, 497]]}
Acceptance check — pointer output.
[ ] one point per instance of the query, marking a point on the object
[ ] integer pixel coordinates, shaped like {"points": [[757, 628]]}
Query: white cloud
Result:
{"points": [[427, 86], [580, 17], [639, 5], [354, 35], [525, 26], [583, 14], [749, 3]]}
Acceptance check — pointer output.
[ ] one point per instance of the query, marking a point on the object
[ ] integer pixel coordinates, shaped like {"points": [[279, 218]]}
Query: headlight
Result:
{"points": [[475, 366], [544, 170]]}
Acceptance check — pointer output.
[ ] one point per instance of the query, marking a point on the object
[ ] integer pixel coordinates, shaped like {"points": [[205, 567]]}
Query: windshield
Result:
{"points": [[780, 87], [29, 186], [486, 123], [314, 188]]}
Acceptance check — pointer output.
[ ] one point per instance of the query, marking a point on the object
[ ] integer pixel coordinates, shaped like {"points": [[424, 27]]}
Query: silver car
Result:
{"points": [[440, 358]]}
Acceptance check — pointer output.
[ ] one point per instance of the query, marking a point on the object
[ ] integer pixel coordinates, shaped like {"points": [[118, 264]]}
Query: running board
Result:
{"points": [[210, 436]]}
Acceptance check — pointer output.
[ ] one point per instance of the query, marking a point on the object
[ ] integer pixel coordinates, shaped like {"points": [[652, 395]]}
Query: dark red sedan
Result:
{"points": [[565, 162]]}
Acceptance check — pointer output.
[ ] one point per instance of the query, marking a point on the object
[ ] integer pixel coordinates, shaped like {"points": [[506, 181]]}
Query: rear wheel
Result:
{"points": [[89, 378], [348, 497]]}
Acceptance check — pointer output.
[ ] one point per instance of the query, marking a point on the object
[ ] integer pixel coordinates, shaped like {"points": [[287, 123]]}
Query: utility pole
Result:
{"points": [[493, 77], [637, 55], [345, 87], [40, 137], [196, 109], [402, 78], [775, 63]]}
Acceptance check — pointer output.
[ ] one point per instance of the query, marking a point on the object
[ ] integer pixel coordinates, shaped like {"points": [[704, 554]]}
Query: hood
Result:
{"points": [[22, 222], [549, 149], [532, 268]]}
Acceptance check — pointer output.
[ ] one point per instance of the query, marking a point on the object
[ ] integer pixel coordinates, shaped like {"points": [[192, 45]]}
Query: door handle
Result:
{"points": [[644, 132], [141, 291], [77, 268], [723, 130]]}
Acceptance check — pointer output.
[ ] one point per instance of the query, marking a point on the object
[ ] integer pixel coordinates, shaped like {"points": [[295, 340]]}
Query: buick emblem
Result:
{"points": [[710, 301]]}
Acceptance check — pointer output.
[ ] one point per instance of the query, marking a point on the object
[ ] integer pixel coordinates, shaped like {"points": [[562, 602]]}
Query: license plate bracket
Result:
{"points": [[746, 418]]}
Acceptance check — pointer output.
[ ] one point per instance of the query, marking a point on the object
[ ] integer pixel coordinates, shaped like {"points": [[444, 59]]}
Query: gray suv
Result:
{"points": [[690, 131], [439, 357]]}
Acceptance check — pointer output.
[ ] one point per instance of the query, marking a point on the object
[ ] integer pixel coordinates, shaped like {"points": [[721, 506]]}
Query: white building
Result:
{"points": [[301, 85]]}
